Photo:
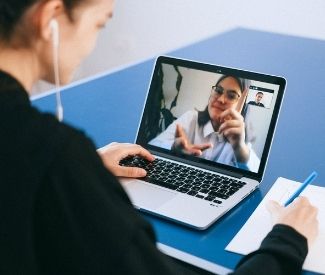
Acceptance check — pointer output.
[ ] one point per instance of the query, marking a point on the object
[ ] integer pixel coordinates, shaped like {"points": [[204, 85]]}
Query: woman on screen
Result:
{"points": [[218, 132]]}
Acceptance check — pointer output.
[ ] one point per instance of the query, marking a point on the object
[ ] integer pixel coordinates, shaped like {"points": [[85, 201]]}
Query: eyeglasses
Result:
{"points": [[231, 95]]}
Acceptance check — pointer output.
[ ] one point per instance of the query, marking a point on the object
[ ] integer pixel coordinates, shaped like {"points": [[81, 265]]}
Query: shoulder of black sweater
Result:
{"points": [[81, 212]]}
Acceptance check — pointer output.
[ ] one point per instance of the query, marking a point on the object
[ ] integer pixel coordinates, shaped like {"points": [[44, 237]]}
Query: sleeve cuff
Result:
{"points": [[285, 246], [286, 239]]}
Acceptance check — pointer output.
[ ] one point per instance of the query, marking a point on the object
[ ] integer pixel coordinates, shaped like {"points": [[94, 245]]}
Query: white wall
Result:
{"points": [[144, 28], [194, 91]]}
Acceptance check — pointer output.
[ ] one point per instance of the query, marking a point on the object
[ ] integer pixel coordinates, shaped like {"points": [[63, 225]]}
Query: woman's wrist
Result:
{"points": [[241, 152]]}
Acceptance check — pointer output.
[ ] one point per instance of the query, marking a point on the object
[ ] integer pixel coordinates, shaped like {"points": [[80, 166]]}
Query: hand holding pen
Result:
{"points": [[297, 212]]}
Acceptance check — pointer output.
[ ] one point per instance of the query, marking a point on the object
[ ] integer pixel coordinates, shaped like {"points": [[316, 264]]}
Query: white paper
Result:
{"points": [[260, 223]]}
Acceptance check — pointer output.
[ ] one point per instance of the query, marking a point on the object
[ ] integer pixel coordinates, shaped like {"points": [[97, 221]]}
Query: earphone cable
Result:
{"points": [[59, 107]]}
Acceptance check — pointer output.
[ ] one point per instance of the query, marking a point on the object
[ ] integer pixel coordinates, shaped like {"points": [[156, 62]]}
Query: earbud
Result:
{"points": [[54, 25]]}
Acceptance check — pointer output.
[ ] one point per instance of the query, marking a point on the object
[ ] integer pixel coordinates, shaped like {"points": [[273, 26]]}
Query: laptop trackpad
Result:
{"points": [[147, 196]]}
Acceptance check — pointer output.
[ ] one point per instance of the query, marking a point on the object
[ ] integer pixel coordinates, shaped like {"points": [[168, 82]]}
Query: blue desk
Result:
{"points": [[108, 108]]}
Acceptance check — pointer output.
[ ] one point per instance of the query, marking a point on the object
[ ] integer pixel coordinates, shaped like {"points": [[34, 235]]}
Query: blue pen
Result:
{"points": [[307, 181]]}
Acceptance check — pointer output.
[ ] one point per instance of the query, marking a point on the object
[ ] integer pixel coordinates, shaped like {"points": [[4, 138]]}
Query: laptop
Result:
{"points": [[210, 129]]}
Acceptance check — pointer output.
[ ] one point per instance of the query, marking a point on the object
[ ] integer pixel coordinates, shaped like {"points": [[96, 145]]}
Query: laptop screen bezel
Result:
{"points": [[200, 162]]}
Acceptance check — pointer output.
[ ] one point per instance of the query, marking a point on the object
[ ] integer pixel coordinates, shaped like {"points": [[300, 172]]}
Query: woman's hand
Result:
{"points": [[300, 215], [233, 128], [182, 144], [112, 153]]}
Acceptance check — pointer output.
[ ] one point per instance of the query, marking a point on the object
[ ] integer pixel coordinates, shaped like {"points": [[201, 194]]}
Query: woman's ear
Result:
{"points": [[46, 13]]}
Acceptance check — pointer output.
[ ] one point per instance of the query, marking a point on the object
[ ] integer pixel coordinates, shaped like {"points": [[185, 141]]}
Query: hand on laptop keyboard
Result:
{"points": [[114, 152]]}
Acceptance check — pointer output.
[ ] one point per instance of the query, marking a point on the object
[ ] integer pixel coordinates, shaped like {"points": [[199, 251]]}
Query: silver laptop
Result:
{"points": [[210, 129]]}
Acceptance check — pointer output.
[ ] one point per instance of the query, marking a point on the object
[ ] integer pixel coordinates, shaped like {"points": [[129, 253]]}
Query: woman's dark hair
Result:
{"points": [[11, 12], [203, 116]]}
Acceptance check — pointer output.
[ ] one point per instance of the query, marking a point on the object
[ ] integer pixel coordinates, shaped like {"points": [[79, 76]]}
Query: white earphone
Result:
{"points": [[54, 25]]}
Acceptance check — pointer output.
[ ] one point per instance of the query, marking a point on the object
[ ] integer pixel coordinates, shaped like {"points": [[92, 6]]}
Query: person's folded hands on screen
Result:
{"points": [[113, 153], [182, 144]]}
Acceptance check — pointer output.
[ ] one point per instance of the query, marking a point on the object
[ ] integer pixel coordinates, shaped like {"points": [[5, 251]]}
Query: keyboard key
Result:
{"points": [[236, 185], [231, 192], [192, 193], [213, 193], [222, 191], [196, 188], [209, 198], [222, 196], [215, 183], [196, 183], [183, 190], [205, 186], [204, 191], [178, 183], [187, 186]]}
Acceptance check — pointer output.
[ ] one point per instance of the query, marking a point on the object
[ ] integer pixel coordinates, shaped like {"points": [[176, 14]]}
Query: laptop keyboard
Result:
{"points": [[184, 179]]}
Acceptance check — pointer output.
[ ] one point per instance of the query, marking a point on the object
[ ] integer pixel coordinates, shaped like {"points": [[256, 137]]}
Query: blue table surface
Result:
{"points": [[108, 108]]}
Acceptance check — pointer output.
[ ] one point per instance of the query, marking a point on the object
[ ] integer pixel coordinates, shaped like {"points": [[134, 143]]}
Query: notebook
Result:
{"points": [[210, 128], [260, 223]]}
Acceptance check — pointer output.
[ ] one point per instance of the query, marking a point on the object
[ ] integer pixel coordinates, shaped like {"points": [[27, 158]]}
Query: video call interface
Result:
{"points": [[201, 114]]}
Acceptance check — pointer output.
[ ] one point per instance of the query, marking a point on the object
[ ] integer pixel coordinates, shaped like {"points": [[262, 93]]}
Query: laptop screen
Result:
{"points": [[210, 115]]}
